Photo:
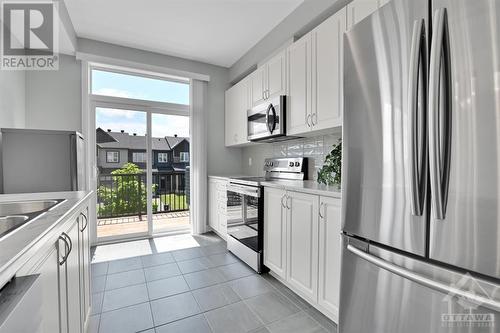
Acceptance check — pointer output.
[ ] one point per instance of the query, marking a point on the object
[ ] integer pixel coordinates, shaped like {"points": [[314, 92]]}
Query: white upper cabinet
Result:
{"points": [[276, 75], [258, 85], [315, 77], [359, 9], [328, 50], [237, 104], [269, 80], [329, 255], [299, 86]]}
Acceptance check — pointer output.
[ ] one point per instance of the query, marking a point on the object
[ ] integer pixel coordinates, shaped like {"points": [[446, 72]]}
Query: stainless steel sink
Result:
{"points": [[11, 222], [25, 207], [14, 214]]}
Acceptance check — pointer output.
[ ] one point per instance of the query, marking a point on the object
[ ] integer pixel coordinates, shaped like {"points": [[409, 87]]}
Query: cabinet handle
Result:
{"points": [[66, 246], [314, 119], [288, 206], [307, 120], [86, 222], [70, 244], [319, 211], [282, 198]]}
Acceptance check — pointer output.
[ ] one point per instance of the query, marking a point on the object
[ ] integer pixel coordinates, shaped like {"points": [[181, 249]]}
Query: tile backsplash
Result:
{"points": [[314, 148]]}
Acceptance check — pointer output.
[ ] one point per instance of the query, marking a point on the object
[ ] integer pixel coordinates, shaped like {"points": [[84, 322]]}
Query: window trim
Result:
{"points": [[165, 160], [117, 154], [183, 160]]}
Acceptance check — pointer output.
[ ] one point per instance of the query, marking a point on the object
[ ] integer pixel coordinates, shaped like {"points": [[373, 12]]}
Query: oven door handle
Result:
{"points": [[245, 190]]}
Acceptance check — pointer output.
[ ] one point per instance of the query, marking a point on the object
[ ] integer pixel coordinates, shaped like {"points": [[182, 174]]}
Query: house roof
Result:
{"points": [[173, 141], [124, 140], [103, 137]]}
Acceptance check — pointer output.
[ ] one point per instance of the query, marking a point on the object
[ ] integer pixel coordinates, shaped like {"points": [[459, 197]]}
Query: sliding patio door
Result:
{"points": [[123, 162], [170, 172]]}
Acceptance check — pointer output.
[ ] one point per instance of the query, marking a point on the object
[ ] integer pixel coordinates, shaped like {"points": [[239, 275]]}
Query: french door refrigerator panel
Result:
{"points": [[468, 234], [377, 185]]}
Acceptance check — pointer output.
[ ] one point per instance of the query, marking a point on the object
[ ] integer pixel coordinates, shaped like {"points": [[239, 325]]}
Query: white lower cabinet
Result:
{"points": [[64, 273], [329, 256], [275, 231], [217, 211], [302, 245]]}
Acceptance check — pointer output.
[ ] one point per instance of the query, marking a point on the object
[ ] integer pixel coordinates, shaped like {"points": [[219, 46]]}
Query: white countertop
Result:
{"points": [[305, 186], [15, 244], [226, 177]]}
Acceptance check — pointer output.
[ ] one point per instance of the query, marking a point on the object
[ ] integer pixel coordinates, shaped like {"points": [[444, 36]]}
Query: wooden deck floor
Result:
{"points": [[109, 227]]}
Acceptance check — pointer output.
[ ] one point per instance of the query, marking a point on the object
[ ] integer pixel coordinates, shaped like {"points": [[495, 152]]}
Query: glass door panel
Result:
{"points": [[122, 160], [170, 172]]}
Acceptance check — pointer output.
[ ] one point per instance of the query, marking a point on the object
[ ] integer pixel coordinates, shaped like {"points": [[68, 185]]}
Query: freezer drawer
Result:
{"points": [[374, 299]]}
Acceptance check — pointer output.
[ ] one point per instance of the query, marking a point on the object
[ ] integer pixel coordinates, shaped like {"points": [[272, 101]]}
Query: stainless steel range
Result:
{"points": [[245, 208]]}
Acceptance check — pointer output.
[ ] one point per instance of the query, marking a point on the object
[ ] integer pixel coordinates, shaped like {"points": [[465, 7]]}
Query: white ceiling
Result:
{"points": [[218, 32]]}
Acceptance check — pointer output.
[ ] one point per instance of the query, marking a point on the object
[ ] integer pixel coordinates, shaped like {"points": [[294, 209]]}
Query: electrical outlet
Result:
{"points": [[249, 161]]}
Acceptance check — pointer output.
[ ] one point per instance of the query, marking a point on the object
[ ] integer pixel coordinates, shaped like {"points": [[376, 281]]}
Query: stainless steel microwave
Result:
{"points": [[266, 122]]}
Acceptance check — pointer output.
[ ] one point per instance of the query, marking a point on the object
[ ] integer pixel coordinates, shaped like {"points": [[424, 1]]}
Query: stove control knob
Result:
{"points": [[271, 163], [291, 164], [297, 164]]}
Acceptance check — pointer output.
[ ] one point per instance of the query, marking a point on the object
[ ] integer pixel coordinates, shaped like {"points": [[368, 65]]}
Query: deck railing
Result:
{"points": [[126, 194]]}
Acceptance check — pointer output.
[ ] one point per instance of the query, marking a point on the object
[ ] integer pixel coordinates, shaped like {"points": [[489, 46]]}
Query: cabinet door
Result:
{"points": [[276, 75], [84, 260], [302, 244], [73, 281], [327, 73], [230, 99], [49, 282], [329, 255], [275, 231], [213, 205], [242, 106], [222, 208], [299, 86], [359, 9], [258, 85]]}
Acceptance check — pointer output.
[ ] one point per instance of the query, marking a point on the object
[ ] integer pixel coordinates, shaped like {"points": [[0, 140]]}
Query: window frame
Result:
{"points": [[165, 160], [184, 160], [144, 154], [117, 155]]}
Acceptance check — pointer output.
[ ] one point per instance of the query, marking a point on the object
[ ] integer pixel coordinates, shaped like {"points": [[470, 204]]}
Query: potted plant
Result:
{"points": [[330, 173]]}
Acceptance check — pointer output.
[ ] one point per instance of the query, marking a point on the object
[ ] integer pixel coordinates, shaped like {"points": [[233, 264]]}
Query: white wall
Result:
{"points": [[220, 158], [53, 98], [305, 17]]}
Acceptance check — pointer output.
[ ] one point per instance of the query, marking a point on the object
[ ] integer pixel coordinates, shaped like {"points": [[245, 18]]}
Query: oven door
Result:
{"points": [[244, 215], [266, 120]]}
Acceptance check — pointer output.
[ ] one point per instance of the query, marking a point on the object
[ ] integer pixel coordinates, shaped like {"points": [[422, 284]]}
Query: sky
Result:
{"points": [[120, 85]]}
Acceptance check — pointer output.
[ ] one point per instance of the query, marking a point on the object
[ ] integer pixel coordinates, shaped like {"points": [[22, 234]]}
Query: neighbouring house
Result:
{"points": [[115, 149]]}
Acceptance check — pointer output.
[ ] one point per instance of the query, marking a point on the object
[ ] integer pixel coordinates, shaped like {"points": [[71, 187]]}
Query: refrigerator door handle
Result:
{"points": [[425, 281], [417, 125], [439, 114]]}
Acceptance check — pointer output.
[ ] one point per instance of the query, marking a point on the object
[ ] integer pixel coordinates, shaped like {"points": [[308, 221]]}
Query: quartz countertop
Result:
{"points": [[226, 177], [305, 186], [15, 245]]}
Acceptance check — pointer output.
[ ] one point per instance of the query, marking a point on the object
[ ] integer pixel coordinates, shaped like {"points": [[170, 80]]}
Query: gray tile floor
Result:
{"points": [[194, 287]]}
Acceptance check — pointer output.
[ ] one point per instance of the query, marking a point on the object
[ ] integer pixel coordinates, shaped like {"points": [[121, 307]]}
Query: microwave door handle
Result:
{"points": [[270, 127]]}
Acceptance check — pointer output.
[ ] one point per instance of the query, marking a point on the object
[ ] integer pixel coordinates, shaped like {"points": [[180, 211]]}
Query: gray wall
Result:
{"points": [[303, 19], [220, 158], [53, 98]]}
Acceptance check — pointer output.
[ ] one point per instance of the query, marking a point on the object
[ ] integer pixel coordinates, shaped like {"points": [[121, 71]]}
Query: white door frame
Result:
{"points": [[89, 104]]}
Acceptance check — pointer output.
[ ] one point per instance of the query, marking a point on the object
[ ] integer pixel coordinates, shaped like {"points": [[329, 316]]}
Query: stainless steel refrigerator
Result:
{"points": [[421, 173], [42, 161]]}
